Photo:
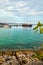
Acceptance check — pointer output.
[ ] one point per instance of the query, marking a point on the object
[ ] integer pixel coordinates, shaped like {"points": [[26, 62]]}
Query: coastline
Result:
{"points": [[19, 57]]}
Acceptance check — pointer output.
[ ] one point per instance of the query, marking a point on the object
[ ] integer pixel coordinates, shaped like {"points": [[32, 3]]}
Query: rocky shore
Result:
{"points": [[19, 57]]}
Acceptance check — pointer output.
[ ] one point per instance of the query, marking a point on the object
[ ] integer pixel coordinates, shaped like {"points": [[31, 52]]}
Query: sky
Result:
{"points": [[19, 11]]}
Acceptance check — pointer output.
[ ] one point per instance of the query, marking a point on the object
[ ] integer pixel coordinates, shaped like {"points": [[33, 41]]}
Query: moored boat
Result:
{"points": [[26, 25]]}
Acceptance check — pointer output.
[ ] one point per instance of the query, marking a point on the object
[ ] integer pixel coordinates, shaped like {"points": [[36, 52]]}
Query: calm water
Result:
{"points": [[19, 38]]}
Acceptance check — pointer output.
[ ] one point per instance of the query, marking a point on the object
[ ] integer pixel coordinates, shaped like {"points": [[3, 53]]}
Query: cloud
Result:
{"points": [[21, 9], [6, 13], [35, 13], [9, 8]]}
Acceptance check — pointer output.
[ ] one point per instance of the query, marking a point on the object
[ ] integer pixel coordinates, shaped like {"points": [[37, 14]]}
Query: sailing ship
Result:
{"points": [[25, 24]]}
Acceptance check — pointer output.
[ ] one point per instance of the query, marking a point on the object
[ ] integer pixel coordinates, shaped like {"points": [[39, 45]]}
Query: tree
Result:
{"points": [[39, 26]]}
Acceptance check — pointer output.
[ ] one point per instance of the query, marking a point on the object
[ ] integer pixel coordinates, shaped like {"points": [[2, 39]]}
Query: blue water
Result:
{"points": [[19, 38]]}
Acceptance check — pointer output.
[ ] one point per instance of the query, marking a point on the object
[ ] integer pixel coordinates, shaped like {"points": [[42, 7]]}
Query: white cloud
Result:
{"points": [[4, 1], [6, 13], [21, 8], [9, 8], [35, 13], [2, 11], [21, 4]]}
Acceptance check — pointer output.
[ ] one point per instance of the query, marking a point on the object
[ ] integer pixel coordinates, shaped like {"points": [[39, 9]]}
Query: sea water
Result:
{"points": [[19, 38]]}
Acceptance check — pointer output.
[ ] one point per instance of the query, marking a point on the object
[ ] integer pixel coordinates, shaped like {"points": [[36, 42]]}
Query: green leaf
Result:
{"points": [[36, 30], [36, 27], [41, 30]]}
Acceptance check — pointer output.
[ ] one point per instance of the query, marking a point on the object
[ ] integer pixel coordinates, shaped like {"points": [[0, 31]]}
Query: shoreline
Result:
{"points": [[19, 57]]}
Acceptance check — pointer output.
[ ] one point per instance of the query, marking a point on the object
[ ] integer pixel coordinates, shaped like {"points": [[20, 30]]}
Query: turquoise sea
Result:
{"points": [[19, 38]]}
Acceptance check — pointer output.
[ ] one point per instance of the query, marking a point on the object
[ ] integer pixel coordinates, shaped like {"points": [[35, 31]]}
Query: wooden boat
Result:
{"points": [[26, 25]]}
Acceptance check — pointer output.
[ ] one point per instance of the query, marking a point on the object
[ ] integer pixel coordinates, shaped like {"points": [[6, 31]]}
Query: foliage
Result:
{"points": [[39, 52], [38, 27], [40, 55], [42, 45]]}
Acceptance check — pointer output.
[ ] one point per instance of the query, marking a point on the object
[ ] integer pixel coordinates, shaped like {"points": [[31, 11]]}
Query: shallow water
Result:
{"points": [[19, 38]]}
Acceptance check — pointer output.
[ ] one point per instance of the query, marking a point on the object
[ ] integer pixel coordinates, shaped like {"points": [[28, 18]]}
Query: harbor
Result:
{"points": [[8, 25], [21, 32]]}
